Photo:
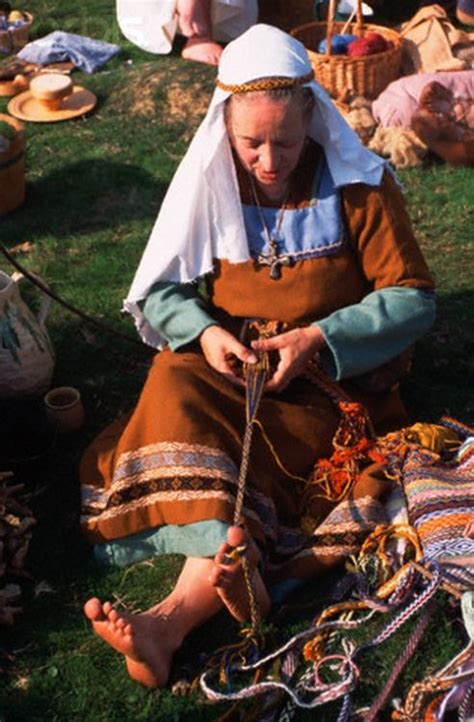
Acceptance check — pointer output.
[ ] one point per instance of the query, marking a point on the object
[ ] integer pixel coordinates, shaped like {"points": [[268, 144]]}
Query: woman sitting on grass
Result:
{"points": [[293, 225], [204, 23]]}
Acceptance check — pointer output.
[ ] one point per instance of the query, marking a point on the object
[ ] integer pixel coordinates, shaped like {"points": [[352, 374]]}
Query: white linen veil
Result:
{"points": [[201, 216]]}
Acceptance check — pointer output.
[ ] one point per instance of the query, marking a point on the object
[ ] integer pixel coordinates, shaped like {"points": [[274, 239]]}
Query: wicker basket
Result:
{"points": [[341, 74], [13, 40]]}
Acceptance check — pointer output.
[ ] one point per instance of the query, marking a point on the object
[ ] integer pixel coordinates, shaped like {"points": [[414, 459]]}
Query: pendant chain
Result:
{"points": [[273, 258]]}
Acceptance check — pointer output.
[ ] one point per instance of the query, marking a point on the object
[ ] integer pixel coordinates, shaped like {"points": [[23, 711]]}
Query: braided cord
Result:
{"points": [[466, 708], [418, 602], [255, 377], [265, 84], [345, 711], [239, 499], [441, 682], [408, 652]]}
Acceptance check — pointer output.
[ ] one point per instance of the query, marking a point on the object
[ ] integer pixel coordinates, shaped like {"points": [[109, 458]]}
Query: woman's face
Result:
{"points": [[268, 136]]}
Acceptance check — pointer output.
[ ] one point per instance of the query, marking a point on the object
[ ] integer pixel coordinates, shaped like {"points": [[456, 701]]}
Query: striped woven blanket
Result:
{"points": [[440, 500]]}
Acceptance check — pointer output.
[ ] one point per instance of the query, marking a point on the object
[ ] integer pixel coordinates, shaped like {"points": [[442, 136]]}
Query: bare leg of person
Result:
{"points": [[195, 25], [229, 580], [149, 640], [194, 17]]}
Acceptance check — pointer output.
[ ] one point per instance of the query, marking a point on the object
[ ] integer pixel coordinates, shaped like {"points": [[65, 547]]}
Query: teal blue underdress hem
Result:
{"points": [[199, 539]]}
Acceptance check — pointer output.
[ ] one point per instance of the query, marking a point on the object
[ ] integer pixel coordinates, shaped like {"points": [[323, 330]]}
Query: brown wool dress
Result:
{"points": [[175, 459]]}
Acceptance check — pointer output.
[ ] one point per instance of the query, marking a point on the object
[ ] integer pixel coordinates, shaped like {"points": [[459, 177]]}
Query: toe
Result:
{"points": [[93, 609], [113, 616], [236, 536]]}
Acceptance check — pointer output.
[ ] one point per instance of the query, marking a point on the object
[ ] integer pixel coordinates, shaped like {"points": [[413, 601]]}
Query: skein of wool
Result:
{"points": [[368, 45]]}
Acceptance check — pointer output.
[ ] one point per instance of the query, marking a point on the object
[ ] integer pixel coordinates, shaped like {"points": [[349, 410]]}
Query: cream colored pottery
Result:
{"points": [[26, 353]]}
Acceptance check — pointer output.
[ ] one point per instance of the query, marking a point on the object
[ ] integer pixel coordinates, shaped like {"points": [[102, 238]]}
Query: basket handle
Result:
{"points": [[330, 22]]}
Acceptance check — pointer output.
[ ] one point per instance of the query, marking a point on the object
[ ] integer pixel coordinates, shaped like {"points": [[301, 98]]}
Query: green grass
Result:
{"points": [[94, 186]]}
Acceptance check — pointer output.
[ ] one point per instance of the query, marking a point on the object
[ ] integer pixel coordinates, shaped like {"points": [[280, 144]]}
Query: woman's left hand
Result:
{"points": [[295, 348]]}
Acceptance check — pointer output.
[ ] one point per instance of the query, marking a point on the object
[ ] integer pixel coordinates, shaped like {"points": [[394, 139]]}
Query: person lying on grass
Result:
{"points": [[281, 227]]}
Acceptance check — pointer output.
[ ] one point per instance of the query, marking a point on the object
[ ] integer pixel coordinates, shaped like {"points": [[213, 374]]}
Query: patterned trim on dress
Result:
{"points": [[168, 469], [346, 527], [173, 472]]}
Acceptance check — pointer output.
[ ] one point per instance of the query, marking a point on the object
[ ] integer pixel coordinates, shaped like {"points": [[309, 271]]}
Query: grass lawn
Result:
{"points": [[94, 187]]}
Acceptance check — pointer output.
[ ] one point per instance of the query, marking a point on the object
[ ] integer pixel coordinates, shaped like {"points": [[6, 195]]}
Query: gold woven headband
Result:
{"points": [[265, 83]]}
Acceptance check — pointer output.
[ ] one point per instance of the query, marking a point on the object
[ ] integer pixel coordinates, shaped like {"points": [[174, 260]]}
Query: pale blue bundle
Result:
{"points": [[339, 44], [86, 53]]}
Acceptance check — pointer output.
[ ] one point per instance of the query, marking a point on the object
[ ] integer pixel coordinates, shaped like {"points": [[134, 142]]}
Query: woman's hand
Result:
{"points": [[295, 349], [221, 349]]}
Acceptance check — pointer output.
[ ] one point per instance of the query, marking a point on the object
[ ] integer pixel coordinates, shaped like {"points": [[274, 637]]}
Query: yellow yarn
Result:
{"points": [[432, 436]]}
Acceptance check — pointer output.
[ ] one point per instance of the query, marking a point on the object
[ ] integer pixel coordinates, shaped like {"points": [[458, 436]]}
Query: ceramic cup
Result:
{"points": [[65, 407], [51, 89]]}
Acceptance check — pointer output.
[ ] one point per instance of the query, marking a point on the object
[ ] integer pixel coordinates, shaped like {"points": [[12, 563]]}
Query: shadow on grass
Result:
{"points": [[83, 197], [443, 369]]}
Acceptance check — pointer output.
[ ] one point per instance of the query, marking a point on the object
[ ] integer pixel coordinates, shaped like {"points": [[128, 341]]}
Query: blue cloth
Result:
{"points": [[198, 539], [310, 232], [57, 47]]}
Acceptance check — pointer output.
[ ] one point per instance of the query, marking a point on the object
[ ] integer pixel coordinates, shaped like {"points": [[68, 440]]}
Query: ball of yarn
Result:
{"points": [[339, 44], [368, 45]]}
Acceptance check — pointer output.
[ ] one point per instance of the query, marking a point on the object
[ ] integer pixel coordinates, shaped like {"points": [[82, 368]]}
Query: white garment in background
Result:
{"points": [[201, 215], [152, 24]]}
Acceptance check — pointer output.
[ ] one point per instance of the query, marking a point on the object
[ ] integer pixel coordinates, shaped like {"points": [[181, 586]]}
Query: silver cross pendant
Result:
{"points": [[275, 262]]}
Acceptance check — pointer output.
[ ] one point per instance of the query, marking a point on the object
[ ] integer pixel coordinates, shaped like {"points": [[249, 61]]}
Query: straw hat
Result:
{"points": [[52, 97], [8, 88]]}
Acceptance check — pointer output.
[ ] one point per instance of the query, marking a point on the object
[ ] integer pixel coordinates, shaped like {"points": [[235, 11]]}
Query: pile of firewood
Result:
{"points": [[16, 524]]}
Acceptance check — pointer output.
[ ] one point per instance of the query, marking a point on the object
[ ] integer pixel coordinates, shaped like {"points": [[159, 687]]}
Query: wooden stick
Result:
{"points": [[348, 21]]}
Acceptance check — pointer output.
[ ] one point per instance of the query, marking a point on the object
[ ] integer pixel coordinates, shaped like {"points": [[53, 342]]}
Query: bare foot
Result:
{"points": [[194, 17], [202, 49], [228, 577], [141, 638]]}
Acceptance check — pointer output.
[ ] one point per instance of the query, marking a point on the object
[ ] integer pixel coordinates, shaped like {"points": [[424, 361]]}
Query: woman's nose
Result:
{"points": [[269, 158]]}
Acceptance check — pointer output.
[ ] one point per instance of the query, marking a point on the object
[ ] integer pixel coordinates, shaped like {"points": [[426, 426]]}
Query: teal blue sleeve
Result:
{"points": [[177, 312], [368, 334]]}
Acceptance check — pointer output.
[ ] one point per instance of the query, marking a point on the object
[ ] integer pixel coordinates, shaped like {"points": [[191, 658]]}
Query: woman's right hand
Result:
{"points": [[221, 349]]}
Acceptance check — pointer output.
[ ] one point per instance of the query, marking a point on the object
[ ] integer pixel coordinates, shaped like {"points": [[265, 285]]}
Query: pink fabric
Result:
{"points": [[396, 104]]}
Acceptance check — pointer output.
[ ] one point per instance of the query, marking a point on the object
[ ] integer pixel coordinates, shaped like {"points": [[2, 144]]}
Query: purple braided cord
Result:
{"points": [[459, 427], [466, 708], [290, 664], [345, 711], [418, 602], [410, 648]]}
